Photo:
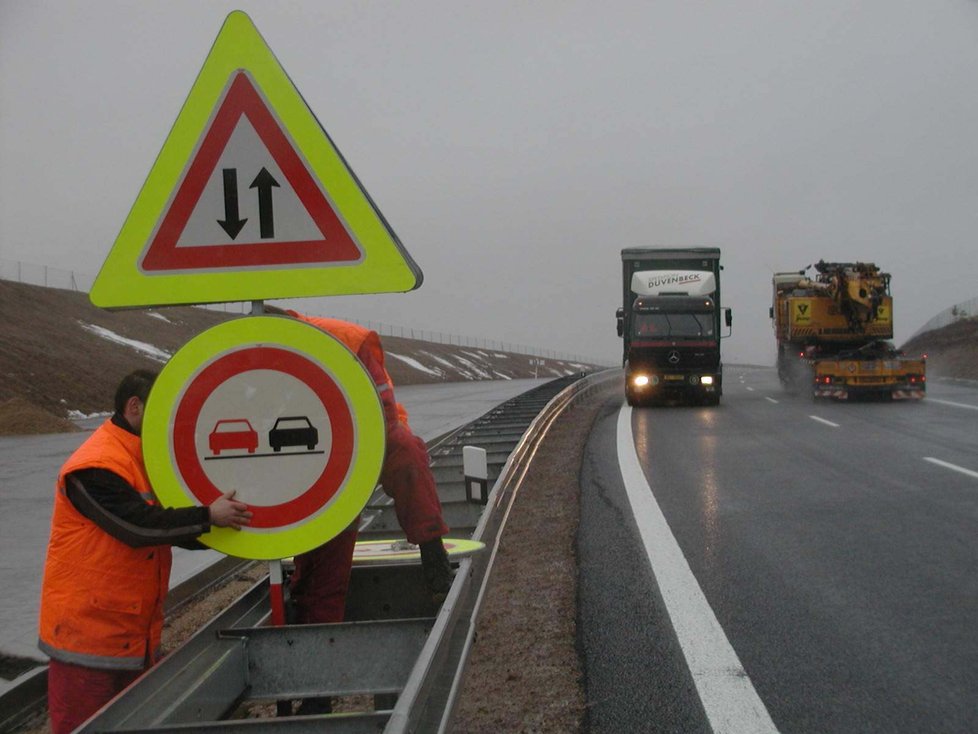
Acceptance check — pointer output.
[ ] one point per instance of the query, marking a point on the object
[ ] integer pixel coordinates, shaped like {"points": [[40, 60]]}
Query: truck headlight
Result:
{"points": [[707, 379], [640, 380]]}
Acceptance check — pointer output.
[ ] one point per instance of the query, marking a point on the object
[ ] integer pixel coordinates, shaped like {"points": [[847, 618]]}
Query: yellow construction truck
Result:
{"points": [[832, 331]]}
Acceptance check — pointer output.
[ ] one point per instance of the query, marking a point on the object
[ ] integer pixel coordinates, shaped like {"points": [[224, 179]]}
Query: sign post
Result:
{"points": [[249, 200]]}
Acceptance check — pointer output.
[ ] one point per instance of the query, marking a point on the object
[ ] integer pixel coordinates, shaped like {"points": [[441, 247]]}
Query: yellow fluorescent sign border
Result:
{"points": [[386, 265], [320, 348]]}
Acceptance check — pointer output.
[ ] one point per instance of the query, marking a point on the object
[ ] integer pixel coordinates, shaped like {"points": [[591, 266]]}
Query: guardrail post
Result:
{"points": [[476, 469]]}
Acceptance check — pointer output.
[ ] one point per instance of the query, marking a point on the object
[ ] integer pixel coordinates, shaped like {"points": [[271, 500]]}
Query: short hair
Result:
{"points": [[135, 384]]}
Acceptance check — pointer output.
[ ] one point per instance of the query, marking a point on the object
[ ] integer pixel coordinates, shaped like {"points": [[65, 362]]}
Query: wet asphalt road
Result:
{"points": [[836, 544]]}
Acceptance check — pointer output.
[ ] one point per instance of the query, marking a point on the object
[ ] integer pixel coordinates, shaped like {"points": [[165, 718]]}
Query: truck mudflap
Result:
{"points": [[840, 392], [910, 393]]}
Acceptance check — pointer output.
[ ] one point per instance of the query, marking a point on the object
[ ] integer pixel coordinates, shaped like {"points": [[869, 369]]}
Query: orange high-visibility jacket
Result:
{"points": [[102, 600], [365, 344]]}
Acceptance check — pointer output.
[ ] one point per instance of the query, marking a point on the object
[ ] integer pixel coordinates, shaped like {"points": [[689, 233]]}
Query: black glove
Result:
{"points": [[438, 573]]}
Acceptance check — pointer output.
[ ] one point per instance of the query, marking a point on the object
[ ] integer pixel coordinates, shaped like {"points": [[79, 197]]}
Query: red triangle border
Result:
{"points": [[336, 246]]}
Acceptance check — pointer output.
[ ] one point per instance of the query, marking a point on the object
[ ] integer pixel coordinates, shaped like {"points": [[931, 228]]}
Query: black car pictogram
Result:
{"points": [[295, 430]]}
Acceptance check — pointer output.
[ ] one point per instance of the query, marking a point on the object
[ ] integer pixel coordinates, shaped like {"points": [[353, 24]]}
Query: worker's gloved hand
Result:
{"points": [[438, 573]]}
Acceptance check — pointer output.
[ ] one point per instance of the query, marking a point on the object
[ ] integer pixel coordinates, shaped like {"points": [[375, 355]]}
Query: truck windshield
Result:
{"points": [[673, 325]]}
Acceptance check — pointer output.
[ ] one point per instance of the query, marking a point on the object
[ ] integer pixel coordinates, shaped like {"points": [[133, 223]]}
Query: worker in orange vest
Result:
{"points": [[108, 563], [321, 578]]}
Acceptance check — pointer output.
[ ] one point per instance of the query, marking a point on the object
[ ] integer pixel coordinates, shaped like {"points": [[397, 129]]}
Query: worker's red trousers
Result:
{"points": [[322, 576], [76, 692], [406, 478]]}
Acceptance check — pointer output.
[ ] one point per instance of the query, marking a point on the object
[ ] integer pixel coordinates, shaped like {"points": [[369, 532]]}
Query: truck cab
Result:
{"points": [[674, 351]]}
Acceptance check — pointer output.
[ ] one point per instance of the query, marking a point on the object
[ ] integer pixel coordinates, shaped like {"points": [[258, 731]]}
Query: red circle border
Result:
{"points": [[314, 376]]}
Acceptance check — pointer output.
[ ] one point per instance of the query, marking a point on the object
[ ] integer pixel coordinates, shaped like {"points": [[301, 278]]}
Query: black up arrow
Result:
{"points": [[264, 182], [231, 224]]}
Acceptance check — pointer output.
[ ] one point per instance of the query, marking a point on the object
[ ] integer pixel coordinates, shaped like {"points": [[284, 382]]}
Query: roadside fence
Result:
{"points": [[45, 275], [958, 312], [54, 277]]}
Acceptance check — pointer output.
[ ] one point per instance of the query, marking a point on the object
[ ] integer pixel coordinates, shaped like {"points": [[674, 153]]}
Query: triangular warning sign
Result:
{"points": [[242, 106], [249, 199]]}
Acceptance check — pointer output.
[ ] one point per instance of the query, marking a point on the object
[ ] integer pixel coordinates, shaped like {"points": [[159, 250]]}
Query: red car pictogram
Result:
{"points": [[233, 433]]}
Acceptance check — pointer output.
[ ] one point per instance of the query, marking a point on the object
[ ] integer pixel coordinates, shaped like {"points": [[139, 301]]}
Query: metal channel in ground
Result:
{"points": [[397, 650]]}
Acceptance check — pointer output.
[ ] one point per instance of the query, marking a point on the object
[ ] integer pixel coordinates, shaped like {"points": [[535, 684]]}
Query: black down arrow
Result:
{"points": [[231, 223]]}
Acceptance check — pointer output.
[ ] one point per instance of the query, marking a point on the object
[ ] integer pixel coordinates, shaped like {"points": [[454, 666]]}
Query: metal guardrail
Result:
{"points": [[396, 646], [492, 525]]}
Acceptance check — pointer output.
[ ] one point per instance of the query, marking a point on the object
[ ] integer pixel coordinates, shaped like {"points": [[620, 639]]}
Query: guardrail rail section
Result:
{"points": [[396, 645]]}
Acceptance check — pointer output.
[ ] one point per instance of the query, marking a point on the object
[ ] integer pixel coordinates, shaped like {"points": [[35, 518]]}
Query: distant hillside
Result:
{"points": [[61, 357], [952, 351]]}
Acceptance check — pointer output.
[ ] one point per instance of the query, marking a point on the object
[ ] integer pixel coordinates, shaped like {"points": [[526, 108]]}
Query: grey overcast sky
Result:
{"points": [[516, 147]]}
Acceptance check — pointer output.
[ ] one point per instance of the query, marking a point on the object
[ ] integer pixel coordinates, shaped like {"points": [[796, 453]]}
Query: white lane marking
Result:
{"points": [[822, 420], [750, 389], [771, 400], [953, 467], [949, 402], [728, 696]]}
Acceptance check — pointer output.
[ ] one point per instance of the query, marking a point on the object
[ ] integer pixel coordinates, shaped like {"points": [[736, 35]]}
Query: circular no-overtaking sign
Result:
{"points": [[280, 412]]}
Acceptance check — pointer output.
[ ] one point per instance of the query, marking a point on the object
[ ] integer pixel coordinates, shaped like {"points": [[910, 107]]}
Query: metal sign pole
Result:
{"points": [[275, 574], [276, 592]]}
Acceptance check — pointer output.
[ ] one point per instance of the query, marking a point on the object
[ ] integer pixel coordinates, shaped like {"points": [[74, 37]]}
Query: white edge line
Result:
{"points": [[822, 420], [952, 467], [725, 690]]}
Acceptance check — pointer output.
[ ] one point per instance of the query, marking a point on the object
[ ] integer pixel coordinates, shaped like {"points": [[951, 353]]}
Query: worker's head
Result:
{"points": [[131, 396]]}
